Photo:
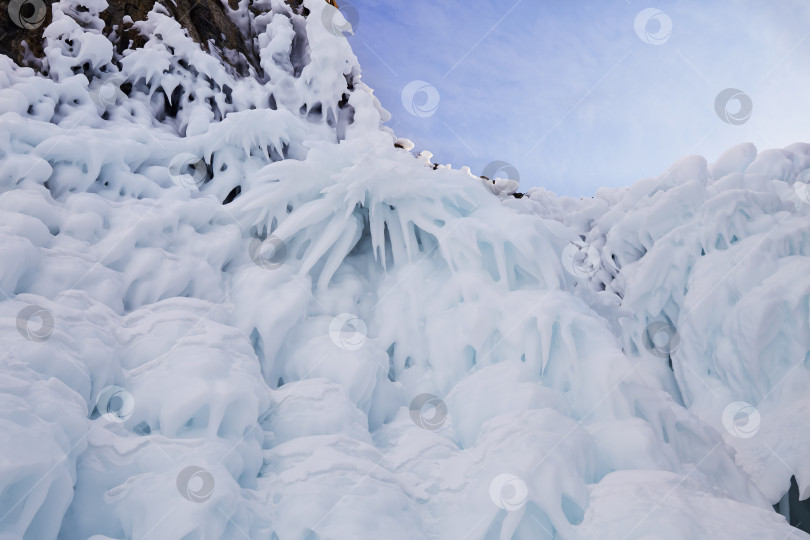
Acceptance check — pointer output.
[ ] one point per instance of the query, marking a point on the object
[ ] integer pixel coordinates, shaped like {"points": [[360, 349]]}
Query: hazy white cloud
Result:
{"points": [[569, 94]]}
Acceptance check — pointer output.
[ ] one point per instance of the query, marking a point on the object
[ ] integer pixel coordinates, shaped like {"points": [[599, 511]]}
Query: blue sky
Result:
{"points": [[569, 92]]}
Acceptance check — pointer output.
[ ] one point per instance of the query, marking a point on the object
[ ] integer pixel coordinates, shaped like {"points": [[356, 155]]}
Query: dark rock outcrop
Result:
{"points": [[206, 21]]}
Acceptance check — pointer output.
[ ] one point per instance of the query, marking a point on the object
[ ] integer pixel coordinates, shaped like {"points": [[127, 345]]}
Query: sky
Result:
{"points": [[575, 95]]}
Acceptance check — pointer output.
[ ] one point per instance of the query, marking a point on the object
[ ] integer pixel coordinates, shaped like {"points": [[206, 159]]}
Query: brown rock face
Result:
{"points": [[23, 21]]}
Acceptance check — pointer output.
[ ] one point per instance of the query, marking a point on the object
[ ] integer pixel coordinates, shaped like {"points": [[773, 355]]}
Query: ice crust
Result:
{"points": [[561, 420]]}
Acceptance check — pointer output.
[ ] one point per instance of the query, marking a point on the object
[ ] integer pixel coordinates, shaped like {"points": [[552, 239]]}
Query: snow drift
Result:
{"points": [[233, 308]]}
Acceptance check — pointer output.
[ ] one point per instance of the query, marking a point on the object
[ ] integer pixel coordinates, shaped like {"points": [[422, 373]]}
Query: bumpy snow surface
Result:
{"points": [[359, 344]]}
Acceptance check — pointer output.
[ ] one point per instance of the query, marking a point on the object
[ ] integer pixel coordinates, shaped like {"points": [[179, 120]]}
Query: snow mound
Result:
{"points": [[233, 307]]}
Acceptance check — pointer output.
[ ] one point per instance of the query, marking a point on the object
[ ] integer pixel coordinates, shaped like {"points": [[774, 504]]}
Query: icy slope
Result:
{"points": [[715, 259], [218, 322]]}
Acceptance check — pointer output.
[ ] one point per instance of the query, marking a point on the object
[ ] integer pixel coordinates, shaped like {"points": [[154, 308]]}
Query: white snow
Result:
{"points": [[360, 344]]}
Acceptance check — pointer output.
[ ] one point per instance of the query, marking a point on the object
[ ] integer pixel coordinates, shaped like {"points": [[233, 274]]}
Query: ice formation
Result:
{"points": [[233, 308]]}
